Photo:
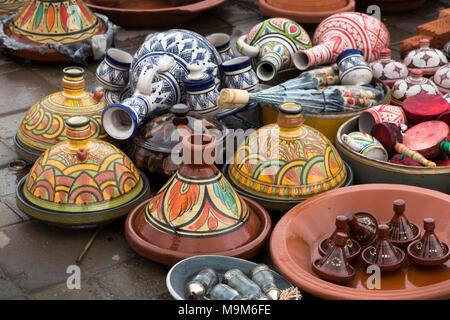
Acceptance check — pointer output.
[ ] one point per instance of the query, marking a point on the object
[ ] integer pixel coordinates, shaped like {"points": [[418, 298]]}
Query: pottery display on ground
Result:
{"points": [[353, 69], [157, 144], [156, 78], [412, 85], [387, 69], [442, 79], [44, 123], [197, 212], [239, 74], [305, 11], [81, 182], [272, 44], [8, 6], [294, 241], [56, 31], [342, 31], [286, 162], [426, 59], [159, 13]]}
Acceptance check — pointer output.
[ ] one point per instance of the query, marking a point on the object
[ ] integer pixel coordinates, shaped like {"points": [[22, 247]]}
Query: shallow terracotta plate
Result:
{"points": [[154, 13], [293, 244]]}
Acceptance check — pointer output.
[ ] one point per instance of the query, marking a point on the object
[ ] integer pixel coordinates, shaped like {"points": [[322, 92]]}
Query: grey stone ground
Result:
{"points": [[33, 256]]}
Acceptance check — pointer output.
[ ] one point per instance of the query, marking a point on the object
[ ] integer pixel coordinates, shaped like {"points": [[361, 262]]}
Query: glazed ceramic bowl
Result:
{"points": [[186, 269], [293, 244], [374, 171]]}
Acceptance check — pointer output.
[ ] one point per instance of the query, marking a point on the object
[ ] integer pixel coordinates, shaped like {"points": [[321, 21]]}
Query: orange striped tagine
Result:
{"points": [[286, 162], [44, 125], [81, 182]]}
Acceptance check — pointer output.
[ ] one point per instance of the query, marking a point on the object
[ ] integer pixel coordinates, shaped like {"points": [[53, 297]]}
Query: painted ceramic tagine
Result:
{"points": [[401, 231], [44, 123], [8, 6], [342, 31], [442, 79], [197, 212], [426, 59], [156, 146], [157, 75], [272, 45], [428, 250], [412, 85], [387, 69], [283, 163], [81, 182], [362, 227], [56, 31]]}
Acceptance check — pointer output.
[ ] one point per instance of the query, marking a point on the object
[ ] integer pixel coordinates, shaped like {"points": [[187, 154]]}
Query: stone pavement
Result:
{"points": [[34, 257]]}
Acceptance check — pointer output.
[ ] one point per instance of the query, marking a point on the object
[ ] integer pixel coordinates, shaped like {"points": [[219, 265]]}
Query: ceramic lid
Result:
{"points": [[387, 68], [8, 6], [56, 21], [425, 58], [82, 174], [166, 132], [412, 85], [44, 123], [442, 78], [287, 160]]}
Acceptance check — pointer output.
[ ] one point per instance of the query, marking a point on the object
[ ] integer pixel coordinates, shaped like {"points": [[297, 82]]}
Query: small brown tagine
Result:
{"points": [[362, 227], [334, 266], [429, 250], [401, 231], [383, 253], [351, 249], [197, 212]]}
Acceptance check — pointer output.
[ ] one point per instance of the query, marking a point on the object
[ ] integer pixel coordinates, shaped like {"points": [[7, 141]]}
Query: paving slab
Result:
{"points": [[9, 124], [6, 154], [89, 290], [9, 180], [10, 201], [8, 216]]}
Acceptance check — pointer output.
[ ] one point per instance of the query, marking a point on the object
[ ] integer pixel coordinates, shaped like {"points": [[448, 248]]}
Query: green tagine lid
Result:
{"points": [[287, 160]]}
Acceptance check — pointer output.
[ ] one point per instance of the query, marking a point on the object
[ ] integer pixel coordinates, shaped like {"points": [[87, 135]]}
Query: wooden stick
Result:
{"points": [[401, 148], [88, 245]]}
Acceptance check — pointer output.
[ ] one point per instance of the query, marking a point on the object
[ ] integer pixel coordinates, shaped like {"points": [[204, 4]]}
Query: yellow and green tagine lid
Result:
{"points": [[8, 6], [287, 160], [81, 174], [44, 123]]}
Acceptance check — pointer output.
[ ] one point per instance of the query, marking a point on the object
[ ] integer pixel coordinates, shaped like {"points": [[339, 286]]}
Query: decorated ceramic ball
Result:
{"points": [[442, 78]]}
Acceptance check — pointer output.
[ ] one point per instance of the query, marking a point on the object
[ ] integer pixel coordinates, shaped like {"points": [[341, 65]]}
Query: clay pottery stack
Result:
{"points": [[412, 85], [81, 182], [428, 250], [342, 31], [9, 6], [44, 123], [362, 227], [426, 59], [286, 162], [401, 231], [41, 26], [442, 79], [387, 69], [305, 11], [156, 146], [197, 212]]}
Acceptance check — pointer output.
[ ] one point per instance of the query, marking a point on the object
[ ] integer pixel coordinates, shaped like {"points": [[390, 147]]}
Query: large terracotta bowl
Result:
{"points": [[172, 255], [293, 244], [153, 13], [375, 171]]}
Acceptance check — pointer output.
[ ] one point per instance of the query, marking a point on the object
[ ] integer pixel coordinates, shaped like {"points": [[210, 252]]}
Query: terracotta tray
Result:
{"points": [[293, 244], [156, 13]]}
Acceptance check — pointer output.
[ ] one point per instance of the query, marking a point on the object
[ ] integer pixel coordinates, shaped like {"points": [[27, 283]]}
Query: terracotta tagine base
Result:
{"points": [[295, 238], [138, 13], [295, 10]]}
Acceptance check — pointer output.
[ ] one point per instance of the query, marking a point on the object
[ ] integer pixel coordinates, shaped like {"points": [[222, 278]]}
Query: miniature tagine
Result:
{"points": [[401, 231], [8, 6], [426, 59], [286, 162], [197, 212], [442, 79], [81, 182], [387, 69], [55, 31], [156, 142], [272, 44], [412, 85], [43, 124]]}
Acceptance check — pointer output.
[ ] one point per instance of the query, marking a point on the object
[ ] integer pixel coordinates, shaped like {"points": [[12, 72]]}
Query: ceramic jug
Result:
{"points": [[272, 44], [342, 31]]}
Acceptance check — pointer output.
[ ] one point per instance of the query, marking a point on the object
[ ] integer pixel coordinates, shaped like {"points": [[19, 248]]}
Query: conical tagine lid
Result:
{"points": [[8, 6], [287, 160], [82, 175], [44, 123]]}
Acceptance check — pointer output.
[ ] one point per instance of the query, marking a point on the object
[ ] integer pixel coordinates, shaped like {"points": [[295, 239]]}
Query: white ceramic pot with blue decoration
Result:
{"points": [[222, 42], [353, 68], [113, 71], [239, 74], [201, 91], [156, 78]]}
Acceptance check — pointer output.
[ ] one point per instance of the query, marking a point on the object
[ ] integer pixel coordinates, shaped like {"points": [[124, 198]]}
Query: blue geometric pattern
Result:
{"points": [[244, 81]]}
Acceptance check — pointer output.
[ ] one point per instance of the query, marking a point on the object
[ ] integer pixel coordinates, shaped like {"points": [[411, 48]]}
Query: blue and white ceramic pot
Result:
{"points": [[201, 91], [222, 42], [156, 78], [113, 71], [238, 74], [353, 68]]}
